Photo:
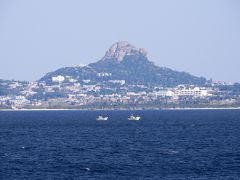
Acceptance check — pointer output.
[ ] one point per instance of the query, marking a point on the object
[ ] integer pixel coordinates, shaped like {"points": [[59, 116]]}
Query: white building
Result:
{"points": [[19, 100], [122, 82], [86, 81], [104, 74], [196, 92], [165, 93], [58, 79], [72, 80]]}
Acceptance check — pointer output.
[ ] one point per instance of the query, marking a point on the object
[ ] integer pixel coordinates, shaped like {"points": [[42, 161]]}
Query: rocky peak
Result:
{"points": [[120, 49]]}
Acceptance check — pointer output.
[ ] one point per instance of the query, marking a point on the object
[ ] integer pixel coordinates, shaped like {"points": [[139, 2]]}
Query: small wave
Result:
{"points": [[173, 152], [87, 169]]}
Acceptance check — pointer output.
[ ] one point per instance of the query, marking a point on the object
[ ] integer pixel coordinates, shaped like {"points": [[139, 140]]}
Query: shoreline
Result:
{"points": [[125, 109]]}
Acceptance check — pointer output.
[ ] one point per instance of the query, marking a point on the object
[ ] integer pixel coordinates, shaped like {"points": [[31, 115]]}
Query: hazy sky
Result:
{"points": [[198, 36]]}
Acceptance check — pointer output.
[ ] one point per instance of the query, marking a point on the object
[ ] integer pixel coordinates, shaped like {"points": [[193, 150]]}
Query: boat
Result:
{"points": [[134, 118], [102, 118]]}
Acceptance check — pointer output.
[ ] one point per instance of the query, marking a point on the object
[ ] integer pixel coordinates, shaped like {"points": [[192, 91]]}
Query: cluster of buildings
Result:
{"points": [[113, 93]]}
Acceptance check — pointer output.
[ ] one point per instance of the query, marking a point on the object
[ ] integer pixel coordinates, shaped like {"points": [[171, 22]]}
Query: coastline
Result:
{"points": [[128, 109]]}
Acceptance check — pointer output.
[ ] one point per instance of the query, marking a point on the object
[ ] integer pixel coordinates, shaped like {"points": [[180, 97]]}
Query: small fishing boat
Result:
{"points": [[134, 118], [102, 118]]}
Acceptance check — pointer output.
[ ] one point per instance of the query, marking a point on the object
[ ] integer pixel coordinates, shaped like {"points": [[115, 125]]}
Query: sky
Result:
{"points": [[201, 37]]}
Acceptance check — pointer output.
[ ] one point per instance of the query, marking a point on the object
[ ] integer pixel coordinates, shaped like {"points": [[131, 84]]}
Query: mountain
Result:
{"points": [[125, 62]]}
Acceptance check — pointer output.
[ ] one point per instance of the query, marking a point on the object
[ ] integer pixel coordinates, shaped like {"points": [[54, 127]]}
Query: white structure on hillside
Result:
{"points": [[86, 81], [58, 79], [122, 82], [165, 93], [104, 74], [196, 92]]}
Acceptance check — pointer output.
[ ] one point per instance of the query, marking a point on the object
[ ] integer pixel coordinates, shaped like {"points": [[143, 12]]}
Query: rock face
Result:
{"points": [[125, 62], [119, 50]]}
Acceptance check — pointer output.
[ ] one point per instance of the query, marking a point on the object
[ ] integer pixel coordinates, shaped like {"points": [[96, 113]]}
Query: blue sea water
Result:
{"points": [[169, 145]]}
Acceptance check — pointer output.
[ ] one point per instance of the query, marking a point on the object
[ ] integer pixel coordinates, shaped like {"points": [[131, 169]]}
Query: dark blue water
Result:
{"points": [[199, 144]]}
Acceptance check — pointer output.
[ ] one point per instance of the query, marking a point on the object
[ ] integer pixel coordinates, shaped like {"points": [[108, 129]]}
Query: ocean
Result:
{"points": [[164, 144]]}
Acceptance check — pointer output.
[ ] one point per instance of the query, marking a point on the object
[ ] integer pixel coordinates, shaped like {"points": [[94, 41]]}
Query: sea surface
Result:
{"points": [[168, 145]]}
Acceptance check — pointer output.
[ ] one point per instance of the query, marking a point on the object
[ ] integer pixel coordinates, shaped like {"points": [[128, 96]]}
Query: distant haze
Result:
{"points": [[201, 37]]}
